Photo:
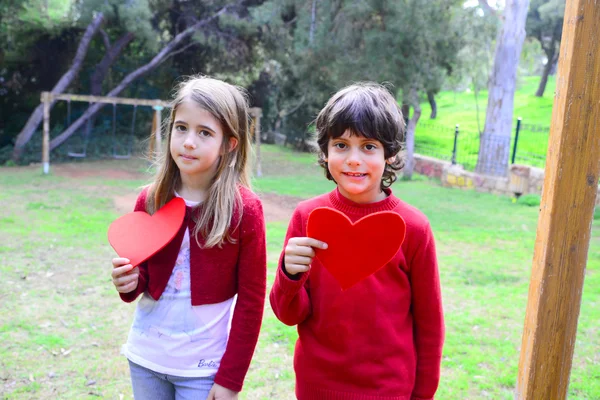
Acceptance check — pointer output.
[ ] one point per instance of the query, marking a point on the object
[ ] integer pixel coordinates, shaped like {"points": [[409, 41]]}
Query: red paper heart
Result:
{"points": [[355, 250], [138, 235]]}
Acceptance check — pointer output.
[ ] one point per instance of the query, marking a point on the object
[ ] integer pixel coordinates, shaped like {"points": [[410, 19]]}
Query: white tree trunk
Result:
{"points": [[494, 147], [410, 135]]}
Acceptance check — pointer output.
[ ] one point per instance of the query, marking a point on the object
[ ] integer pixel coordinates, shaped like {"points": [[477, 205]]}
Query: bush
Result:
{"points": [[530, 200]]}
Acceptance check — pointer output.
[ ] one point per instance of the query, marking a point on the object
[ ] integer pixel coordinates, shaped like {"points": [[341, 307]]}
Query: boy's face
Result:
{"points": [[357, 165]]}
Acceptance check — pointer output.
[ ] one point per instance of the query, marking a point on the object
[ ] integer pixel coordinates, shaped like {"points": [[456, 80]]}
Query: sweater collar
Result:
{"points": [[349, 207]]}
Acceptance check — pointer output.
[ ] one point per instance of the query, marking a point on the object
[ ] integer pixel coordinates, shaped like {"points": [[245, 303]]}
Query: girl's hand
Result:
{"points": [[124, 276], [299, 253], [218, 392]]}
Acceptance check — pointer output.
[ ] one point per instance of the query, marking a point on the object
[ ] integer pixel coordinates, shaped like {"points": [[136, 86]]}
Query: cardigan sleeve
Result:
{"points": [[140, 205], [428, 316], [251, 292], [289, 298]]}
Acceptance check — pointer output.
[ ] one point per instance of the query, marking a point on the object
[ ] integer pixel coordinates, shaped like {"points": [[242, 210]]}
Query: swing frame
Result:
{"points": [[47, 98]]}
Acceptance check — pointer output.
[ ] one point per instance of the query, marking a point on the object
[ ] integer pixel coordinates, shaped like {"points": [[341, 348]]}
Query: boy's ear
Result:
{"points": [[391, 160]]}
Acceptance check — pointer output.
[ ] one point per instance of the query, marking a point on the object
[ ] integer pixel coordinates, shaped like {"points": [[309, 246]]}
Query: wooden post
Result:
{"points": [[257, 112], [568, 199], [46, 135], [157, 132]]}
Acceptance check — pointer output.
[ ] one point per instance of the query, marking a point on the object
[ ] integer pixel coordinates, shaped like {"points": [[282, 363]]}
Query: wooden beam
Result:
{"points": [[108, 100], [568, 198], [46, 133], [158, 132]]}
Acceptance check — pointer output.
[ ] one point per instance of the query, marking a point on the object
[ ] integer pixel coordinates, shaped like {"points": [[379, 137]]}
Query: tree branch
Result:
{"points": [[36, 117], [158, 58], [105, 38]]}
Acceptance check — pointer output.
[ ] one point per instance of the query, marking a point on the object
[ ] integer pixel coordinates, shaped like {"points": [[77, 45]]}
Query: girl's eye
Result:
{"points": [[370, 146], [204, 133], [339, 145], [180, 128]]}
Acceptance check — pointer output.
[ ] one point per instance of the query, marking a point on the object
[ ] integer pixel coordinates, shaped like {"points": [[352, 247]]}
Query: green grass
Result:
{"points": [[436, 137], [62, 323]]}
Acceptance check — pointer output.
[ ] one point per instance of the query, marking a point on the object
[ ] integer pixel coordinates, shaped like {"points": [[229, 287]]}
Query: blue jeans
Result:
{"points": [[150, 385]]}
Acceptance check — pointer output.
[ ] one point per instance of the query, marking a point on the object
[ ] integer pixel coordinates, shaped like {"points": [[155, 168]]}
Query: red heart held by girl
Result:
{"points": [[355, 250], [138, 235]]}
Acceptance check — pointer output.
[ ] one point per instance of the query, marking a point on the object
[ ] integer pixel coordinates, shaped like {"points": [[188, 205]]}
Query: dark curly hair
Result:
{"points": [[366, 109]]}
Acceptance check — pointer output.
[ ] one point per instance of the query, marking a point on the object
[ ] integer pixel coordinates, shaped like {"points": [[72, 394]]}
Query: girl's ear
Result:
{"points": [[391, 160], [233, 142]]}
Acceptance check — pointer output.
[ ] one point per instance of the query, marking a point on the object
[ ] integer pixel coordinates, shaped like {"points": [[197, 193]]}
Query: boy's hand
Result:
{"points": [[124, 276], [218, 392], [299, 253]]}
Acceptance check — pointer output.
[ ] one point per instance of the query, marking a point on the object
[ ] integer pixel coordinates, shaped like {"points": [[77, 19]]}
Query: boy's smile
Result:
{"points": [[357, 164]]}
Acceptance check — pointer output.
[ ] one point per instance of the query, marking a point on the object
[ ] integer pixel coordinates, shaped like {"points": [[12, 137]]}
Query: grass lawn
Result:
{"points": [[62, 323], [436, 137]]}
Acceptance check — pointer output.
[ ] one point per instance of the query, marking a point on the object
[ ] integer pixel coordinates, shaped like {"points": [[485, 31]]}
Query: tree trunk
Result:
{"points": [[410, 135], [160, 57], [36, 117], [547, 68], [112, 53], [405, 112], [494, 146], [433, 104]]}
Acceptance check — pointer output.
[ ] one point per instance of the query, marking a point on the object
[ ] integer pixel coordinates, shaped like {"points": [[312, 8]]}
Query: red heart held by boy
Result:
{"points": [[138, 235], [355, 250]]}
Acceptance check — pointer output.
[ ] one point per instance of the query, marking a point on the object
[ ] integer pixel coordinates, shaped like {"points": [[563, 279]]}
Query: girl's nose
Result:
{"points": [[189, 143]]}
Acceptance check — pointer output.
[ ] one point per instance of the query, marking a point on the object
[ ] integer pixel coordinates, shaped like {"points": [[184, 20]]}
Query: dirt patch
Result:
{"points": [[88, 171], [278, 208]]}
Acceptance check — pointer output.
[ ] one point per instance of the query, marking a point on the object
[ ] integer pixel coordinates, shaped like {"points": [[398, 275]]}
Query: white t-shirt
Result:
{"points": [[173, 337]]}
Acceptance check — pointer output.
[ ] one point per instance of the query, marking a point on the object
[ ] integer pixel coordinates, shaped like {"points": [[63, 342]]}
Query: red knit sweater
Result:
{"points": [[217, 274], [380, 339]]}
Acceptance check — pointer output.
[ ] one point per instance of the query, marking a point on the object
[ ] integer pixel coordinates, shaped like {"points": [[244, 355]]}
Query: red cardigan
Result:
{"points": [[217, 274], [380, 339]]}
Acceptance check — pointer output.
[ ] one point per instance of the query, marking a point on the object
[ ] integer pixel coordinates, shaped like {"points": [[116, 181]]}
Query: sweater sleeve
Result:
{"points": [[289, 298], [140, 205], [428, 317], [248, 311]]}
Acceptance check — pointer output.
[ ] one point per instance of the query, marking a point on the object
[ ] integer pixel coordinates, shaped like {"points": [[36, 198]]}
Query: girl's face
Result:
{"points": [[357, 164], [196, 144]]}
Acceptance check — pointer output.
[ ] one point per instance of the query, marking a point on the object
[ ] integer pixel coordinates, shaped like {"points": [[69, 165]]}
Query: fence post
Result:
{"points": [[455, 145], [514, 153]]}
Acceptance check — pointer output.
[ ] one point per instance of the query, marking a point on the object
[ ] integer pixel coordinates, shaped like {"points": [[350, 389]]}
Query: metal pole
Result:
{"points": [[455, 145], [514, 154]]}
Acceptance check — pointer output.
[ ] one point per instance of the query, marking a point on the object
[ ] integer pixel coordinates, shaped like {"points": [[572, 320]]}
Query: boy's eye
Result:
{"points": [[339, 145], [370, 146]]}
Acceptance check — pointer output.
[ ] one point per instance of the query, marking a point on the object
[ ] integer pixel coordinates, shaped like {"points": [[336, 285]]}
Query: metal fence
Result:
{"points": [[527, 145]]}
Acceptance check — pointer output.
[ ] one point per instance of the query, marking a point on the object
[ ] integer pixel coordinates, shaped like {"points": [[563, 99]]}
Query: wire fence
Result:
{"points": [[526, 145]]}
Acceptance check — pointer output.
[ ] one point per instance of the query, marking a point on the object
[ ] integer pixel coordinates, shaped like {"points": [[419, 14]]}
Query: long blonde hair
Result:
{"points": [[229, 105]]}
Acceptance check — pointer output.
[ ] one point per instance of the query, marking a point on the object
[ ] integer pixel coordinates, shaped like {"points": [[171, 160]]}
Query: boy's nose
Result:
{"points": [[353, 158]]}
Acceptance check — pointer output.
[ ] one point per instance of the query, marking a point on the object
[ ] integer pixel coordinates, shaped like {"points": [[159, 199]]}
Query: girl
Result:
{"points": [[184, 342], [382, 338]]}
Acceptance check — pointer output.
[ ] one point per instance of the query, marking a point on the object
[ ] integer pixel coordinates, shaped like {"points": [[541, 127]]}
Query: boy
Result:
{"points": [[382, 338]]}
